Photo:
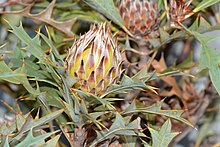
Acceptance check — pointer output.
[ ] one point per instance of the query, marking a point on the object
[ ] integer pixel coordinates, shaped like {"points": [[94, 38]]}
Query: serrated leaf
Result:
{"points": [[33, 70], [5, 70], [30, 140], [118, 123], [107, 8], [53, 48], [95, 115], [209, 58], [205, 4], [118, 128], [164, 136], [31, 123], [19, 77], [127, 84], [45, 119], [156, 109], [143, 73], [45, 16], [52, 142], [131, 107], [96, 100], [33, 44], [53, 97]]}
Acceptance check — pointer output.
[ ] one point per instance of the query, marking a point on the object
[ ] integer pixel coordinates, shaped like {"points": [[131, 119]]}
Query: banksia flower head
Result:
{"points": [[140, 17], [95, 59], [179, 9]]}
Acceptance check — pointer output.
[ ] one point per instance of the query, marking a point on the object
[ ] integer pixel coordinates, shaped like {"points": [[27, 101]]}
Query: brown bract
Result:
{"points": [[140, 17], [179, 9]]}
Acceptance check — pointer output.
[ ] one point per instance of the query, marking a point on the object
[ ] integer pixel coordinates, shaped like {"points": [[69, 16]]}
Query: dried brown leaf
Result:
{"points": [[46, 17]]}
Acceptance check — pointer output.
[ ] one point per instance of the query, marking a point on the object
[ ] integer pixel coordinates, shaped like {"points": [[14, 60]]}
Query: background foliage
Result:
{"points": [[157, 101]]}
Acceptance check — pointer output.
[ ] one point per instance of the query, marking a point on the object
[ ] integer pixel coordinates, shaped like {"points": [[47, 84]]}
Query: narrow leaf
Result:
{"points": [[156, 109], [43, 120], [30, 140], [127, 84], [205, 4], [6, 144]]}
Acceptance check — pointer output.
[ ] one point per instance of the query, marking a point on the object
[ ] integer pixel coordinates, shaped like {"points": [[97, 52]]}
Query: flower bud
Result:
{"points": [[95, 60], [140, 17]]}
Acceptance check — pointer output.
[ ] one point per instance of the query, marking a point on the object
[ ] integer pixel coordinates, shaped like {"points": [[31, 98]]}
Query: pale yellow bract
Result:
{"points": [[95, 59]]}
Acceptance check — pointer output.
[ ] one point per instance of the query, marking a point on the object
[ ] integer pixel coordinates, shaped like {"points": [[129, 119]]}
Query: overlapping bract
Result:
{"points": [[95, 59], [179, 9], [140, 17]]}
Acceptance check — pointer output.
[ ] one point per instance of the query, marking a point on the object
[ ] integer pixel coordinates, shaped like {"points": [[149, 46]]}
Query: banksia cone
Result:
{"points": [[140, 17], [179, 9], [95, 59]]}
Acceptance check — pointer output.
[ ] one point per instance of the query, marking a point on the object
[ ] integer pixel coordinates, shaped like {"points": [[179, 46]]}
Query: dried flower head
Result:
{"points": [[140, 17], [179, 9]]}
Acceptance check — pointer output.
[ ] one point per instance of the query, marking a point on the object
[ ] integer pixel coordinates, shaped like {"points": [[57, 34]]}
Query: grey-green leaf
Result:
{"points": [[43, 120], [164, 136], [107, 8], [17, 77], [205, 4], [52, 142], [33, 44], [209, 59], [118, 128], [156, 109], [6, 144], [30, 140]]}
